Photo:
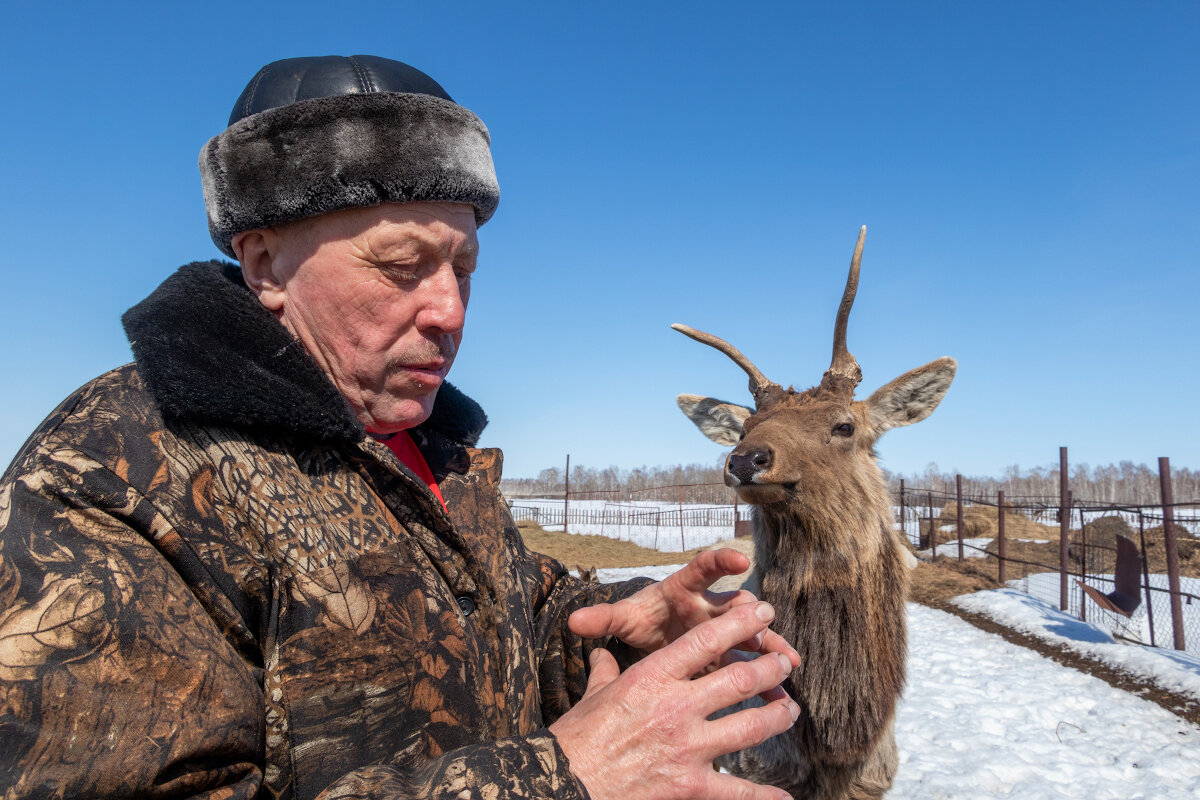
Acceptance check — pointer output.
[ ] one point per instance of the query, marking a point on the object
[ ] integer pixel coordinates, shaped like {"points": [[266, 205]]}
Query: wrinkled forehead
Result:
{"points": [[386, 225]]}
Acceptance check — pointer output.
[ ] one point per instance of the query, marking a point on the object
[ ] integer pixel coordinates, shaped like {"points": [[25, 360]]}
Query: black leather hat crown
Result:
{"points": [[318, 134]]}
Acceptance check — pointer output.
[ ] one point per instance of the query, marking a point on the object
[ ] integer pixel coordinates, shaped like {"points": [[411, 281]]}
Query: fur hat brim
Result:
{"points": [[330, 153]]}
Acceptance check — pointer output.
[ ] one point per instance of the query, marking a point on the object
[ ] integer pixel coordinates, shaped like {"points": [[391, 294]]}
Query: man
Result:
{"points": [[267, 559]]}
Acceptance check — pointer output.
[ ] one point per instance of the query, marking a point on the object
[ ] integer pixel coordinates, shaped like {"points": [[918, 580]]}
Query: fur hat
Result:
{"points": [[318, 134]]}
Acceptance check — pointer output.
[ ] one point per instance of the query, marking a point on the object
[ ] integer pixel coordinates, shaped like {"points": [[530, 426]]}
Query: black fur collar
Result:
{"points": [[210, 353]]}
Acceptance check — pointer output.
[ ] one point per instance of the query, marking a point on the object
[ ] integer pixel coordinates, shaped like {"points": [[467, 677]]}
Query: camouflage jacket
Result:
{"points": [[212, 583]]}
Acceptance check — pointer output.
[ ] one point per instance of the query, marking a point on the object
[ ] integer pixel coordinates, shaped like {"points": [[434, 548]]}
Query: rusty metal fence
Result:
{"points": [[1132, 569], [665, 529], [668, 518], [1064, 550]]}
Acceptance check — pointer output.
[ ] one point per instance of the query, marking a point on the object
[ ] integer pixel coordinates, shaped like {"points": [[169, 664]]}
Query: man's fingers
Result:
{"points": [[592, 622], [773, 693], [752, 726], [709, 641], [772, 642], [738, 597], [722, 785], [740, 680], [752, 645], [769, 641], [708, 566], [603, 670]]}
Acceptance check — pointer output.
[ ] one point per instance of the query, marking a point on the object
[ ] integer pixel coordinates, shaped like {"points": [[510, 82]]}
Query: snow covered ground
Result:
{"points": [[1031, 606], [665, 538], [658, 525], [972, 548], [1037, 595], [983, 718]]}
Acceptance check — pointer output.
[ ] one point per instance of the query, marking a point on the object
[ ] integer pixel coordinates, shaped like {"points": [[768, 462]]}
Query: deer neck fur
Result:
{"points": [[838, 586]]}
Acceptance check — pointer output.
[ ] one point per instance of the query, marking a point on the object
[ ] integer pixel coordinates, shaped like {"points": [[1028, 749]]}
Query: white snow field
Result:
{"points": [[1032, 607], [658, 525], [984, 718]]}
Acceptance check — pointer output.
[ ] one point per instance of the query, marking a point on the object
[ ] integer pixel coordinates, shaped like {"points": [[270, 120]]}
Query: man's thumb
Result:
{"points": [[592, 622], [602, 671]]}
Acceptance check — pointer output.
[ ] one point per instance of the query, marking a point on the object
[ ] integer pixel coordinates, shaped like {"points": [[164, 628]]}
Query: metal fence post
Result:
{"points": [[566, 494], [1146, 575], [1002, 549], [1172, 546], [1083, 565], [932, 529], [1064, 527], [903, 529], [959, 522]]}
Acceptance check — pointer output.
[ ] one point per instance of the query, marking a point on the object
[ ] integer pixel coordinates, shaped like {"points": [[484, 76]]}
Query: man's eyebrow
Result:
{"points": [[424, 243]]}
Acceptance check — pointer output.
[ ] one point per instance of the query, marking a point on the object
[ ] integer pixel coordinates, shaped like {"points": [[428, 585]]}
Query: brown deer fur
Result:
{"points": [[827, 559]]}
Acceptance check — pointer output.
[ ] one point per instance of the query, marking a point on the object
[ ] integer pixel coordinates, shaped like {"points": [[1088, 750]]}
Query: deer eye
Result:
{"points": [[844, 429]]}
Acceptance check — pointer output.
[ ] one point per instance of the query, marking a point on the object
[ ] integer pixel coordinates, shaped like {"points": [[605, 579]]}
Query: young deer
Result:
{"points": [[826, 556]]}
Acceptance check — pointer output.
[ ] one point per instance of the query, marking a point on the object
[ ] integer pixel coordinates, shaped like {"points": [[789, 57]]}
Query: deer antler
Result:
{"points": [[759, 385], [844, 364]]}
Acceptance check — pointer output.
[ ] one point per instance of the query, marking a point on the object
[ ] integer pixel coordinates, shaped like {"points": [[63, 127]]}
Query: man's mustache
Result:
{"points": [[443, 348]]}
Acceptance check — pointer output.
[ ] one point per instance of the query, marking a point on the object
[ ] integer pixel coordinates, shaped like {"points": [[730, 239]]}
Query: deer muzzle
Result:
{"points": [[742, 468]]}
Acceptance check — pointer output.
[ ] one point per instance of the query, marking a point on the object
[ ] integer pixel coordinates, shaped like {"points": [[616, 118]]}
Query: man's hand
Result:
{"points": [[645, 734], [662, 612]]}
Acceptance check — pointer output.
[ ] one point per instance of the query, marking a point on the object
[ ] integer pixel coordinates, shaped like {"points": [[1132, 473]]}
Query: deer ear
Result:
{"points": [[719, 421], [913, 396]]}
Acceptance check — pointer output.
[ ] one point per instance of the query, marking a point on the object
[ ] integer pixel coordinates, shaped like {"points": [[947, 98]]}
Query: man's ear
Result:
{"points": [[256, 250]]}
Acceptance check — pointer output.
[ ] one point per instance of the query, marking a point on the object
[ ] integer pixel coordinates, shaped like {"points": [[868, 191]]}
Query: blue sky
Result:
{"points": [[1029, 173]]}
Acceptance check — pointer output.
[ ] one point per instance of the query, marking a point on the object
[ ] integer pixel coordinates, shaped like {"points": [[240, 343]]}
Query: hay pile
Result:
{"points": [[980, 522]]}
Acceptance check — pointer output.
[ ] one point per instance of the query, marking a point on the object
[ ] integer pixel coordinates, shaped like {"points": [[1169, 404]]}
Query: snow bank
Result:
{"points": [[1171, 669]]}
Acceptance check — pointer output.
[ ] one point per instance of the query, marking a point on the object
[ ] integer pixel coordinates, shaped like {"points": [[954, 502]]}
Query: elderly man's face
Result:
{"points": [[377, 296]]}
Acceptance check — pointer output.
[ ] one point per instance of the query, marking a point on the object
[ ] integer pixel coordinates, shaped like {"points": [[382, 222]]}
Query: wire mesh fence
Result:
{"points": [[1075, 563], [1066, 552], [667, 518]]}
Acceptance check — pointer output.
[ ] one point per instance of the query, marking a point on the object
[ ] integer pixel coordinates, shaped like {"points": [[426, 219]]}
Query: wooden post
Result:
{"points": [[567, 494], [682, 541], [932, 529], [1002, 548], [1064, 527], [959, 522], [1168, 503], [627, 515]]}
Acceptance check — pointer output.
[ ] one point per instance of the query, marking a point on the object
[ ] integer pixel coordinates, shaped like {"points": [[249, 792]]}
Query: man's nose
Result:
{"points": [[444, 302]]}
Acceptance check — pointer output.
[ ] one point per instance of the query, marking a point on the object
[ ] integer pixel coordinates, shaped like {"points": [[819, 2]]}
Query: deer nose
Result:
{"points": [[744, 466]]}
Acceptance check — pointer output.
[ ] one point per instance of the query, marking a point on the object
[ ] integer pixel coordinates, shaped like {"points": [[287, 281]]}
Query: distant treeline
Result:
{"points": [[1136, 484], [549, 482], [1125, 482]]}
